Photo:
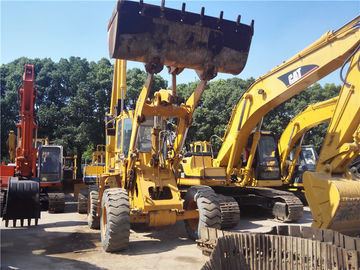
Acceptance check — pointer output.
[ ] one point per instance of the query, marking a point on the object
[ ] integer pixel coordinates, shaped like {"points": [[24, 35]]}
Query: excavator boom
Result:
{"points": [[312, 116], [283, 82], [332, 192], [22, 195]]}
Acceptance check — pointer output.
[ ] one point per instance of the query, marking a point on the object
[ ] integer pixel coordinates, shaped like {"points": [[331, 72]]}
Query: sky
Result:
{"points": [[60, 29]]}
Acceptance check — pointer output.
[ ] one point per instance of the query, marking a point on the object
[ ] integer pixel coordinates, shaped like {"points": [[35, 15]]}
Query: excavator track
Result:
{"points": [[283, 247], [56, 202], [230, 211], [287, 207]]}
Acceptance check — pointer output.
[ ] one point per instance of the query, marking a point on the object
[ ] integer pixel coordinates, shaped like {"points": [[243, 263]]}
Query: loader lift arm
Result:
{"points": [[139, 182], [332, 191]]}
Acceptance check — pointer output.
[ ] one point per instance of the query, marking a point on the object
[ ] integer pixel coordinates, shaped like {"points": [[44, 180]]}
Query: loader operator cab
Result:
{"points": [[152, 128], [50, 164]]}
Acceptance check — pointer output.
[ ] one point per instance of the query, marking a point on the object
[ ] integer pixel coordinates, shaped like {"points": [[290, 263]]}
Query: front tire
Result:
{"points": [[205, 200], [115, 220]]}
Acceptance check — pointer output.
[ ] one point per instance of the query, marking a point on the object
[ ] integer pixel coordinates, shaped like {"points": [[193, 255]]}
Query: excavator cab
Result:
{"points": [[50, 164], [307, 160], [267, 161]]}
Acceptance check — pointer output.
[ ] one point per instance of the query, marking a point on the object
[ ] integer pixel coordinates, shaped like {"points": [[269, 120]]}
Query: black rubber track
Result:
{"points": [[93, 219], [209, 209], [230, 211], [115, 220]]}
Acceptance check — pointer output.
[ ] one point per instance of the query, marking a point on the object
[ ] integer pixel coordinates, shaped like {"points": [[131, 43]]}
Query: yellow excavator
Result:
{"points": [[332, 191], [139, 182], [247, 167], [294, 156]]}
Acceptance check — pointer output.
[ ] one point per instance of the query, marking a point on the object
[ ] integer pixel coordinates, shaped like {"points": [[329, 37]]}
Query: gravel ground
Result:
{"points": [[64, 241]]}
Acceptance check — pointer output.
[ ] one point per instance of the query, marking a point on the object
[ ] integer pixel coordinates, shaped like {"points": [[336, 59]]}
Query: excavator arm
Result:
{"points": [[312, 116], [332, 191], [280, 84]]}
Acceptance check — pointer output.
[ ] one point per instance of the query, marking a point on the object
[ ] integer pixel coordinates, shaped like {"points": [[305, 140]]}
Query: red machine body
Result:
{"points": [[26, 150], [20, 193]]}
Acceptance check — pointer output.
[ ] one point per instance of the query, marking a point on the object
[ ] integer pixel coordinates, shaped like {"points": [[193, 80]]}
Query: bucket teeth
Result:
{"points": [[6, 223], [36, 221], [14, 223], [21, 222], [29, 221], [160, 36]]}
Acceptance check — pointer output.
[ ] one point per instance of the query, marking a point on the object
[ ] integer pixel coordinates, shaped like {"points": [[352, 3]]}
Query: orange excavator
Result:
{"points": [[20, 191], [35, 180]]}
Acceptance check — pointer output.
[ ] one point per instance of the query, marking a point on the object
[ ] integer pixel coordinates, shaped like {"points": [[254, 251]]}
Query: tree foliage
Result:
{"points": [[74, 96]]}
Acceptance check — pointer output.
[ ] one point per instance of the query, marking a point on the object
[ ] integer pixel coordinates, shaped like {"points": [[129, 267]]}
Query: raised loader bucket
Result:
{"points": [[165, 36], [334, 202]]}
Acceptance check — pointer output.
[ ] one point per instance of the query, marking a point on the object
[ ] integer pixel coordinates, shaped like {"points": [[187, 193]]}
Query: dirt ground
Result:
{"points": [[64, 241]]}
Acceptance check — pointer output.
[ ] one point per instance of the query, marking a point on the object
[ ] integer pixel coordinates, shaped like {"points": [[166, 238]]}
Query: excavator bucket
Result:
{"points": [[164, 36], [334, 202], [22, 201]]}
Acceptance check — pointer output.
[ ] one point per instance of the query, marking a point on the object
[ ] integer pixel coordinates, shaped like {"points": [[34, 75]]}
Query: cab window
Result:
{"points": [[127, 135], [144, 142]]}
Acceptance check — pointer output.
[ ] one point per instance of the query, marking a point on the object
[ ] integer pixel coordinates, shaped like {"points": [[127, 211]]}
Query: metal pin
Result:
{"points": [[221, 15], [252, 27], [238, 19], [202, 12], [162, 5], [183, 8]]}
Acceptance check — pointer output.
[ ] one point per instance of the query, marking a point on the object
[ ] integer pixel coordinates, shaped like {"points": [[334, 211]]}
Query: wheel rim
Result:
{"points": [[104, 221], [193, 223]]}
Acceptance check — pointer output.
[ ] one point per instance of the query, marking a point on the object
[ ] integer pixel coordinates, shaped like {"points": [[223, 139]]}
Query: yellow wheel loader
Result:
{"points": [[91, 174], [139, 182], [332, 191], [247, 167]]}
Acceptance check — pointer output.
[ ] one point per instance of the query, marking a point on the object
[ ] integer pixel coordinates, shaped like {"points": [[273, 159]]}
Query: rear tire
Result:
{"points": [[205, 199], [93, 219], [82, 201], [56, 203], [115, 220]]}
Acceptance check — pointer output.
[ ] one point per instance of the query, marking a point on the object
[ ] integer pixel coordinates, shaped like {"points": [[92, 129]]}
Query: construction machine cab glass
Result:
{"points": [[267, 161], [50, 164]]}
